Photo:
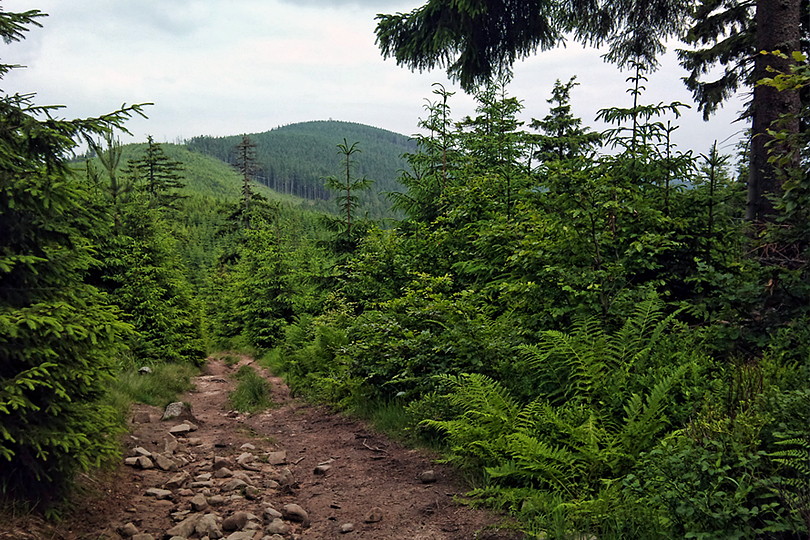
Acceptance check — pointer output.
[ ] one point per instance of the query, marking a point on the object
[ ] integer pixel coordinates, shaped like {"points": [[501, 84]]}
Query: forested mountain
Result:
{"points": [[202, 174], [294, 159]]}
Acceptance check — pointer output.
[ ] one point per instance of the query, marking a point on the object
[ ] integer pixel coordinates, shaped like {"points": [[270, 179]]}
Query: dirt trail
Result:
{"points": [[365, 485]]}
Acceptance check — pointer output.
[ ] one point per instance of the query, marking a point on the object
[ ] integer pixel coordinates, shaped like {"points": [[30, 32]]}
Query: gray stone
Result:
{"points": [[176, 410], [206, 484], [235, 522], [273, 537], [293, 512], [204, 477], [178, 480], [164, 463], [375, 515], [180, 429], [129, 530], [220, 462], [208, 526], [223, 472], [159, 494], [428, 477], [277, 458], [143, 536], [277, 526], [346, 528], [271, 513], [241, 475], [186, 527], [233, 484], [144, 462], [247, 446], [131, 461], [194, 441], [145, 370], [241, 535], [170, 444], [141, 451], [284, 477], [252, 493], [216, 500], [198, 502]]}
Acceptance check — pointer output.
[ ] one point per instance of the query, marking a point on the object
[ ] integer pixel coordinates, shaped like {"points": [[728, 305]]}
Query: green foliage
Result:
{"points": [[58, 334], [346, 186], [252, 393]]}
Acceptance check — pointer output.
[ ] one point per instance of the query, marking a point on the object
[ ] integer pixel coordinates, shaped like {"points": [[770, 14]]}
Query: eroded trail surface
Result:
{"points": [[295, 471]]}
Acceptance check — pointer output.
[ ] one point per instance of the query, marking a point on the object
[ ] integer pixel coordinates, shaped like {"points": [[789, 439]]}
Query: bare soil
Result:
{"points": [[367, 474]]}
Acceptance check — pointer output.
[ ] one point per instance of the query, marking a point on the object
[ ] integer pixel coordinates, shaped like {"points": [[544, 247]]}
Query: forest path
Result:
{"points": [[341, 472]]}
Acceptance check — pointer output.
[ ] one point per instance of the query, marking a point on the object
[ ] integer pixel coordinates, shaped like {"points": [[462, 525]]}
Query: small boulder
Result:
{"points": [[178, 409], [141, 451], [145, 370], [277, 458], [277, 526], [223, 472], [293, 512], [208, 526], [159, 494], [346, 528], [271, 513], [144, 462], [164, 463], [129, 530], [199, 502], [181, 429], [185, 528], [375, 515], [177, 481], [234, 484], [235, 522], [428, 477]]}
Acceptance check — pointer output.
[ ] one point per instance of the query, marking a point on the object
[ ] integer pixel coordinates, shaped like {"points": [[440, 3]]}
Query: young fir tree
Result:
{"points": [[158, 175], [347, 186], [58, 335]]}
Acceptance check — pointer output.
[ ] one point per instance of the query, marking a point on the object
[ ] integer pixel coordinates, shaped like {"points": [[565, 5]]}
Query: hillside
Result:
{"points": [[295, 158], [204, 174]]}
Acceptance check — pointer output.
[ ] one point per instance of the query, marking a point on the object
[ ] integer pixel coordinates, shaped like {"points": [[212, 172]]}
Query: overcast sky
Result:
{"points": [[222, 68]]}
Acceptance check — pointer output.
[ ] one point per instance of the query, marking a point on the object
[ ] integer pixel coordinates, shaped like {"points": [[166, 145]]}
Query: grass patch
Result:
{"points": [[252, 394], [159, 388], [389, 417]]}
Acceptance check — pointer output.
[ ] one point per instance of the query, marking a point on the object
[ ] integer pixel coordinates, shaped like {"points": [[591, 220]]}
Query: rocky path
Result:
{"points": [[295, 471]]}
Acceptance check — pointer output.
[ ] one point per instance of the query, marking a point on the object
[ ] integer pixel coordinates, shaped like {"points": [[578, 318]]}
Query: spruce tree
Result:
{"points": [[58, 334]]}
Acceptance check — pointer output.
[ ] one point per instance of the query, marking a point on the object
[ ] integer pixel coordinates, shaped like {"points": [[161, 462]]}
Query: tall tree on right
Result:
{"points": [[477, 41], [734, 33]]}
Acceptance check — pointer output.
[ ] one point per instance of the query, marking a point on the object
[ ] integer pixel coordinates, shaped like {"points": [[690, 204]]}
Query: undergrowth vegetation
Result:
{"points": [[582, 322], [252, 393]]}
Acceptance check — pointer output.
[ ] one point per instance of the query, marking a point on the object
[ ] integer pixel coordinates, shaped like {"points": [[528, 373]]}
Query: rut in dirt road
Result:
{"points": [[294, 471]]}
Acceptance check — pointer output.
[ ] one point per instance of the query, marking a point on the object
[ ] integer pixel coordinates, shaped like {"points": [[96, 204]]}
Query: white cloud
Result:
{"points": [[214, 67]]}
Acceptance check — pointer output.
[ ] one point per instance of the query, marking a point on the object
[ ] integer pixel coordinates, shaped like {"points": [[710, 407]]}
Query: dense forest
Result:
{"points": [[294, 159], [608, 335]]}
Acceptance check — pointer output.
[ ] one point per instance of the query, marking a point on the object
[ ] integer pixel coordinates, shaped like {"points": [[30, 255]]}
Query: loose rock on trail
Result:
{"points": [[295, 471]]}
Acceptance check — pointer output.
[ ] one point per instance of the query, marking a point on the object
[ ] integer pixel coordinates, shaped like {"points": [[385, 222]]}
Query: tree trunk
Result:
{"points": [[778, 27]]}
